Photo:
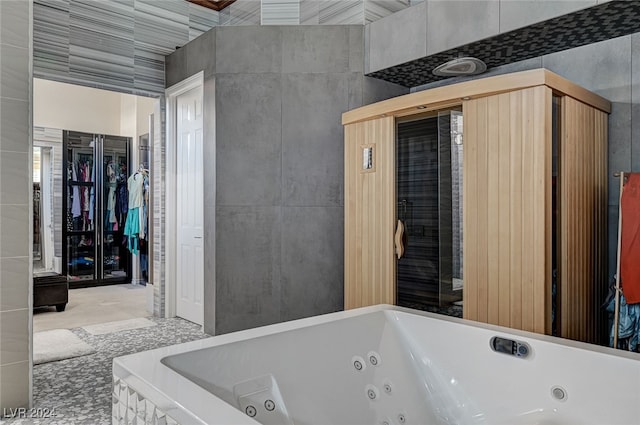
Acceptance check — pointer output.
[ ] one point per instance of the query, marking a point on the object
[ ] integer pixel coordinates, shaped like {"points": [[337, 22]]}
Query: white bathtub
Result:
{"points": [[377, 365]]}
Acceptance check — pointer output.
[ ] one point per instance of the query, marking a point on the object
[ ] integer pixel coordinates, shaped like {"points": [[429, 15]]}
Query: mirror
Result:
{"points": [[47, 201]]}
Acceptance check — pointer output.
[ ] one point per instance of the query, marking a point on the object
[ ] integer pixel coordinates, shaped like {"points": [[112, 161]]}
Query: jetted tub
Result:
{"points": [[378, 365]]}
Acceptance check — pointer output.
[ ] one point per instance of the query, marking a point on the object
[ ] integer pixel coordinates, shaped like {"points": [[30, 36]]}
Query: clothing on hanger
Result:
{"points": [[630, 240]]}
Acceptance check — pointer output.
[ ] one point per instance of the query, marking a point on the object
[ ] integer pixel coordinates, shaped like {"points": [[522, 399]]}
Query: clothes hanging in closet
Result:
{"points": [[76, 210], [630, 241], [628, 324], [111, 221], [136, 225]]}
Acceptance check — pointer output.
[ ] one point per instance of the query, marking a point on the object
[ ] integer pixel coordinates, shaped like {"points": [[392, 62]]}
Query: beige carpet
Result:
{"points": [[120, 325], [89, 306], [58, 344]]}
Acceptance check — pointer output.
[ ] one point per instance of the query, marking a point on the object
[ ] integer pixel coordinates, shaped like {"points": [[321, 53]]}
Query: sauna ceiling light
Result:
{"points": [[460, 66]]}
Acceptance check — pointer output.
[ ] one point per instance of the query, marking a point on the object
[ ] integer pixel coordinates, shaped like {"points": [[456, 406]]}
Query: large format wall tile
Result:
{"points": [[113, 45], [51, 39], [201, 20], [454, 23], [279, 95], [14, 327], [116, 45], [14, 23], [176, 67], [14, 385], [248, 267], [14, 82], [612, 218], [378, 9], [248, 49], [398, 38], [15, 195], [375, 90], [312, 138], [14, 176], [14, 231], [245, 12], [345, 12], [315, 49], [14, 294], [201, 55], [280, 12], [209, 176], [249, 139], [312, 258], [171, 17], [635, 102], [101, 42], [209, 150], [14, 125], [605, 69], [356, 48], [520, 13], [309, 12], [148, 71]]}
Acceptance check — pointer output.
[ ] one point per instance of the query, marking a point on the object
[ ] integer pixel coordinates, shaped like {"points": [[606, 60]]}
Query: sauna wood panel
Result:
{"points": [[507, 202], [369, 215], [507, 170], [448, 96], [470, 203], [583, 198]]}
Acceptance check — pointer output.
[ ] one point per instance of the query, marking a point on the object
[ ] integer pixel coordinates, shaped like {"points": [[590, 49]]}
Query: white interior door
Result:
{"points": [[189, 208]]}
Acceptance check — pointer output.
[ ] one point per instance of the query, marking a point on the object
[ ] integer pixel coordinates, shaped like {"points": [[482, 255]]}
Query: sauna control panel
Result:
{"points": [[510, 346]]}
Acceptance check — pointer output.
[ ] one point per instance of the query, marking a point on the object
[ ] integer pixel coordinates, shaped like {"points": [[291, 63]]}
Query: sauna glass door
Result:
{"points": [[429, 210]]}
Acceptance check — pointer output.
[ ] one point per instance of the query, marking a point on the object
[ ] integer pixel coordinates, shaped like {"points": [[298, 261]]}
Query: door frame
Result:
{"points": [[172, 93]]}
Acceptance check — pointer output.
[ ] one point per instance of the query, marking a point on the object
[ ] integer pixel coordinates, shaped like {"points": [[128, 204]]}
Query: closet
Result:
{"points": [[525, 235], [95, 205]]}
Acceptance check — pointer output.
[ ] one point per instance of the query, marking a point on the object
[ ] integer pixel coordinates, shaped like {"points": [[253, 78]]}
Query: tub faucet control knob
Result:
{"points": [[510, 346]]}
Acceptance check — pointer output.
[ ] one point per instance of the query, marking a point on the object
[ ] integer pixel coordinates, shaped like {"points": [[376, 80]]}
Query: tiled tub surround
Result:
{"points": [[130, 407], [392, 365]]}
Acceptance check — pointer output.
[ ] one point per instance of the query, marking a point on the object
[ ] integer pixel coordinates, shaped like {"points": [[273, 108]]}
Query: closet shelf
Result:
{"points": [[79, 232]]}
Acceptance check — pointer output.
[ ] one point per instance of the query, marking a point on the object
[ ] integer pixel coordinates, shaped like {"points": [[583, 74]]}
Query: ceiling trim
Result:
{"points": [[216, 5]]}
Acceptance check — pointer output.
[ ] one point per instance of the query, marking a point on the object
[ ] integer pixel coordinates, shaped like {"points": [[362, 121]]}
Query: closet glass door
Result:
{"points": [[95, 204], [429, 210], [113, 251], [80, 207]]}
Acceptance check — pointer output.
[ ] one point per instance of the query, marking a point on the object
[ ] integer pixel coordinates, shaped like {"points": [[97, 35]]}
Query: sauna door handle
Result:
{"points": [[399, 239]]}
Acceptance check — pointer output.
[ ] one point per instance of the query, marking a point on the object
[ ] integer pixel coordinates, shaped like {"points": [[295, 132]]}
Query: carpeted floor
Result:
{"points": [[78, 390], [89, 306]]}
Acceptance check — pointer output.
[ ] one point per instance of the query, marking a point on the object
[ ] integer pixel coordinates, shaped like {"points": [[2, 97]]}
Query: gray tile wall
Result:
{"points": [[433, 26], [116, 45], [158, 186], [113, 45], [15, 200], [277, 94]]}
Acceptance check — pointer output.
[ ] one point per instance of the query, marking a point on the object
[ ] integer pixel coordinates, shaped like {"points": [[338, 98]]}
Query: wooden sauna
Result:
{"points": [[534, 204]]}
